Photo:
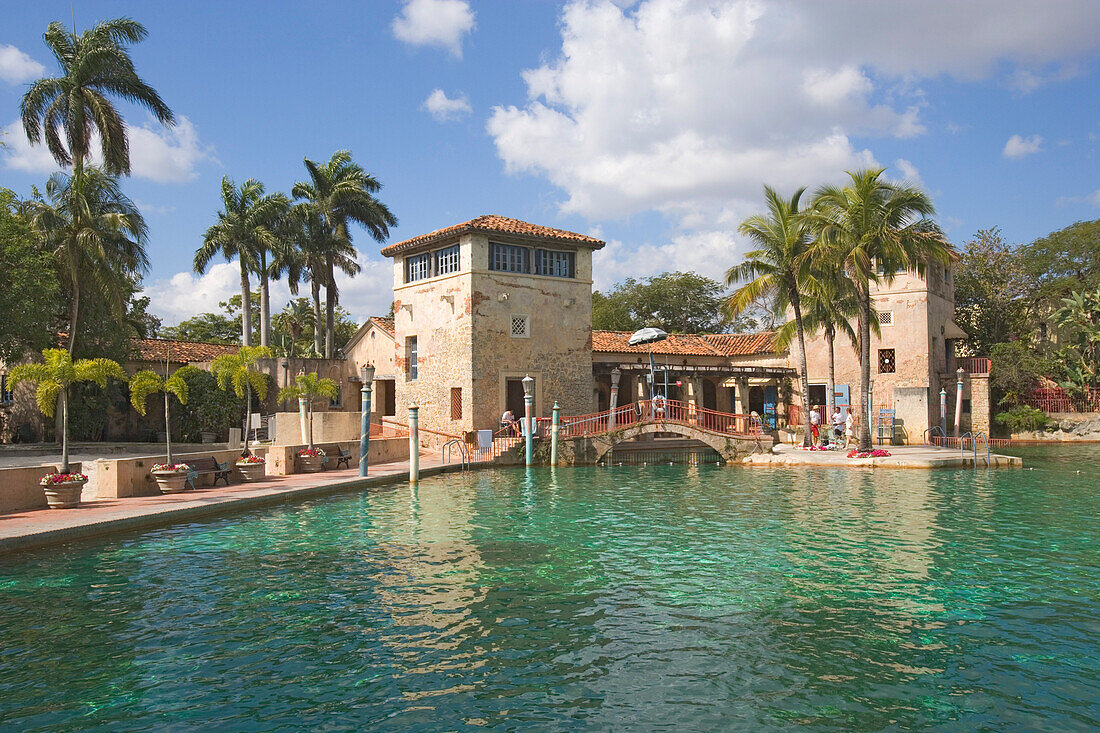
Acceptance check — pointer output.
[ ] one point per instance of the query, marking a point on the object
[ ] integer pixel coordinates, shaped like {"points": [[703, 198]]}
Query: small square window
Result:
{"points": [[886, 361], [886, 318], [521, 327]]}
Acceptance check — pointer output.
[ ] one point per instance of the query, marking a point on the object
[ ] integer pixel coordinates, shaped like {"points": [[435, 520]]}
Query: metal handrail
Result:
{"points": [[975, 443], [463, 452], [928, 436], [962, 442]]}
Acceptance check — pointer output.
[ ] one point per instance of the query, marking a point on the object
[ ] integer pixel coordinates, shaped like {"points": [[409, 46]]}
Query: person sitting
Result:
{"points": [[508, 420], [659, 406]]}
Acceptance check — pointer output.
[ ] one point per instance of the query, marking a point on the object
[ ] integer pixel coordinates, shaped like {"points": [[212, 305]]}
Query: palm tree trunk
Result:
{"points": [[330, 308], [864, 369], [318, 322], [246, 307], [65, 430], [265, 303], [830, 338], [167, 430], [803, 371]]}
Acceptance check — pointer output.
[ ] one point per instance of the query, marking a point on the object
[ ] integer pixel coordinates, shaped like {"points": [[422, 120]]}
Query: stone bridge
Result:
{"points": [[591, 449]]}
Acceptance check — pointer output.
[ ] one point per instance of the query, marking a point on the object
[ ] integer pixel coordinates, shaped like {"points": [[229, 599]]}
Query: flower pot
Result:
{"points": [[170, 482], [310, 464], [252, 471], [65, 495]]}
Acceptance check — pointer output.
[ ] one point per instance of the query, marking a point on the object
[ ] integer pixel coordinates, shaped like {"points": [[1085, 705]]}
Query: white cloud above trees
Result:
{"points": [[17, 67], [444, 108], [440, 23]]}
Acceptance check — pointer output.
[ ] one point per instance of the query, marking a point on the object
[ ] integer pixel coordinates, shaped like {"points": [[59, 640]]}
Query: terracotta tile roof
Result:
{"points": [[179, 351], [383, 322], [742, 344], [493, 223], [688, 344]]}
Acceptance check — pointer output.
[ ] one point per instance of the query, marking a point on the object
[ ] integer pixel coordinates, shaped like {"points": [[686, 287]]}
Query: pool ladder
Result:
{"points": [[928, 434], [463, 452], [974, 445]]}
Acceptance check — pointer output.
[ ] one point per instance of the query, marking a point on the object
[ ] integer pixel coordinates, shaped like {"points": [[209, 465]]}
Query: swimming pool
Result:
{"points": [[664, 597]]}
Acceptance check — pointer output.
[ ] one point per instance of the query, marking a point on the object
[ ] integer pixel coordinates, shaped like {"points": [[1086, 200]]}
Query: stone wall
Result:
{"points": [[328, 427], [117, 478], [19, 487], [1067, 426]]}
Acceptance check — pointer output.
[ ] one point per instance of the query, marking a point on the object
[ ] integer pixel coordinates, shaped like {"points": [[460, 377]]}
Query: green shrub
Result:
{"points": [[1022, 417]]}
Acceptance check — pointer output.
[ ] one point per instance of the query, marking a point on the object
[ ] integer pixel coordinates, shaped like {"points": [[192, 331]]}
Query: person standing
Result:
{"points": [[838, 424], [815, 425]]}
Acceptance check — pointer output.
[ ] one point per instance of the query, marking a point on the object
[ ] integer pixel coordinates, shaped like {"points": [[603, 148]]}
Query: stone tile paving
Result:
{"points": [[39, 527]]}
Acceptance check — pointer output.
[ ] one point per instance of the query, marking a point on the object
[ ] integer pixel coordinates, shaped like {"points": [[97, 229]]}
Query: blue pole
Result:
{"points": [[414, 444], [364, 429], [527, 401]]}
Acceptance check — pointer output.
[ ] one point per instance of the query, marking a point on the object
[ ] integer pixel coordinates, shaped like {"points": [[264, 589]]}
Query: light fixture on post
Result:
{"points": [[366, 377], [616, 374], [528, 401]]}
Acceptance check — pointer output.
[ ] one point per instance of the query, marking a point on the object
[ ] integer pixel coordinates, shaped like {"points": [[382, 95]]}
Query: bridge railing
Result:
{"points": [[660, 410]]}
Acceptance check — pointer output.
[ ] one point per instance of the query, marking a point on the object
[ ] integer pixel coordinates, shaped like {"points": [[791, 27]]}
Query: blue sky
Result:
{"points": [[652, 124]]}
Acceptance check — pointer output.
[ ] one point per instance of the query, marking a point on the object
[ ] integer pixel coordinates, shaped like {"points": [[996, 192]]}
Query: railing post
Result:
{"points": [[554, 432], [943, 410], [414, 444], [364, 429], [958, 400], [528, 401], [615, 374]]}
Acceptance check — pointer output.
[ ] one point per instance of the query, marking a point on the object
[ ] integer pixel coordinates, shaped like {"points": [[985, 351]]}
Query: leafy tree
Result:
{"points": [[1078, 322], [294, 321], [144, 324], [52, 379], [310, 388], [30, 289], [95, 66], [97, 237], [677, 302], [212, 327], [338, 193], [992, 293], [239, 373], [1022, 417], [245, 230], [1064, 261], [872, 221], [207, 409], [777, 268], [1017, 373], [147, 382]]}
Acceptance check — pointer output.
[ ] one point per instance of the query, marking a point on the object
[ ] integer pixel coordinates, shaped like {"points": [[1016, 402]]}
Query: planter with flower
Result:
{"points": [[171, 478], [251, 468], [311, 460], [52, 378], [876, 453], [63, 489]]}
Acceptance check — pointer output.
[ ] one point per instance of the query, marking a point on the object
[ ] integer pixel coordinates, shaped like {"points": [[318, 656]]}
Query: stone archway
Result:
{"points": [[592, 449]]}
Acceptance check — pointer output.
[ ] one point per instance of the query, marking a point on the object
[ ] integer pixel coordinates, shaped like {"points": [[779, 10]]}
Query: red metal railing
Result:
{"points": [[660, 410], [1056, 399]]}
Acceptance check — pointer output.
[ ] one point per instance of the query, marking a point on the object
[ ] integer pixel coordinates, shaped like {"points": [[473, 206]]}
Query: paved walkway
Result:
{"points": [[901, 456], [40, 527]]}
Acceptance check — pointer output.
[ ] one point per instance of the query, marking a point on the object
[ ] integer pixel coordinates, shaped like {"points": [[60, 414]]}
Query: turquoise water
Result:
{"points": [[659, 598]]}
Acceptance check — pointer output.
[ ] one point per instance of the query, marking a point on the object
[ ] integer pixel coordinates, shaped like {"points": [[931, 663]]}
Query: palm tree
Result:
{"points": [[245, 230], [870, 225], [301, 255], [95, 66], [147, 382], [96, 235], [294, 320], [239, 372], [340, 192], [308, 388], [778, 268], [53, 378]]}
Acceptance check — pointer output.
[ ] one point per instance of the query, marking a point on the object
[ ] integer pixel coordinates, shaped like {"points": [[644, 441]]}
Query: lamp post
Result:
{"points": [[615, 375], [958, 400], [414, 443], [554, 434], [366, 375], [528, 400], [943, 410]]}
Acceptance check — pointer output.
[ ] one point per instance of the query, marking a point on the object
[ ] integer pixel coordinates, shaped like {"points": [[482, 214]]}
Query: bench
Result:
{"points": [[334, 451], [207, 467]]}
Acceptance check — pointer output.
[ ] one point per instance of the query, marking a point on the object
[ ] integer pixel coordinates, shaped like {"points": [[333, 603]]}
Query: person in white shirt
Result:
{"points": [[815, 425], [838, 423], [849, 426]]}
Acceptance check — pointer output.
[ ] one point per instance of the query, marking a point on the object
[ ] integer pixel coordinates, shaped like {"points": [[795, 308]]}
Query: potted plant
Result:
{"points": [[171, 478], [52, 379], [251, 468], [239, 373], [63, 489], [147, 382], [311, 460], [307, 389]]}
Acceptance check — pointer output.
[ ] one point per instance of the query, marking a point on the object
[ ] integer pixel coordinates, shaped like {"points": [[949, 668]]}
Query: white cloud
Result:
{"points": [[443, 108], [441, 23], [17, 67], [186, 294], [1018, 147], [687, 107], [164, 155], [1092, 198], [909, 172], [707, 252]]}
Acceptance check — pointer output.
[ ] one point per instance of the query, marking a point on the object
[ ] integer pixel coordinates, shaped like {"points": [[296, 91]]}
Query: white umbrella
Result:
{"points": [[646, 336]]}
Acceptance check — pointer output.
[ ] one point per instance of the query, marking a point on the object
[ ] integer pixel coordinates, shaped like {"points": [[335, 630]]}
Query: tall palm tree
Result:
{"points": [[302, 255], [341, 192], [239, 372], [870, 225], [778, 269], [52, 378], [96, 234], [245, 230], [95, 66]]}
